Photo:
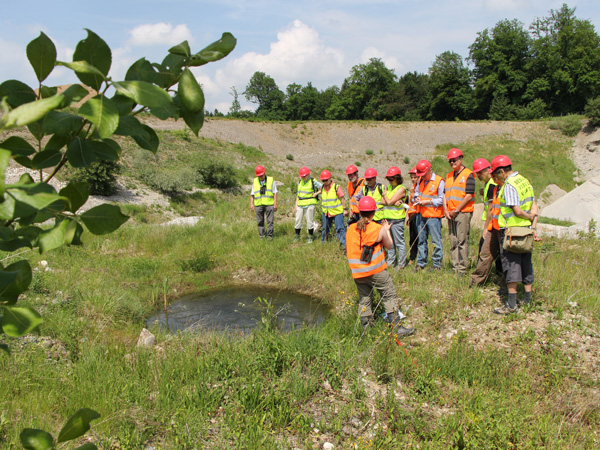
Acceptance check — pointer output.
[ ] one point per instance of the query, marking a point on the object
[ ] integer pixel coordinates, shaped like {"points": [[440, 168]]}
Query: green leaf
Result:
{"points": [[103, 219], [193, 120], [169, 70], [32, 439], [77, 425], [123, 104], [45, 159], [190, 92], [56, 142], [7, 208], [215, 51], [142, 70], [182, 49], [46, 91], [80, 154], [148, 140], [94, 51], [83, 69], [54, 237], [18, 146], [77, 193], [36, 195], [88, 446], [74, 93], [41, 53], [108, 150], [62, 123], [14, 280], [30, 112], [129, 126], [5, 348], [4, 161], [16, 93], [102, 113], [144, 93]]}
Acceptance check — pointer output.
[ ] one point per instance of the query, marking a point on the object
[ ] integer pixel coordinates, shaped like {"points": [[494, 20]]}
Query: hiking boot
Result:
{"points": [[504, 310], [400, 331], [310, 239], [433, 269], [397, 328], [366, 321], [296, 238], [418, 268]]}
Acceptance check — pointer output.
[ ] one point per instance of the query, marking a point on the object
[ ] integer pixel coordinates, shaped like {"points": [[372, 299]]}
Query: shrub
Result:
{"points": [[218, 174], [101, 176], [534, 110], [369, 152], [168, 181], [289, 157], [197, 264], [406, 160], [592, 111], [568, 125], [357, 163]]}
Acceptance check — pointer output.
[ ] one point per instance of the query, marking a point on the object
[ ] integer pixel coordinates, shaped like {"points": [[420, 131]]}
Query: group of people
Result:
{"points": [[377, 216]]}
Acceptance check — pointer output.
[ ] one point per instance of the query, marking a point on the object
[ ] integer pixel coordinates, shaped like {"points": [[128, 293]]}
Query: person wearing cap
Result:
{"points": [[411, 218], [518, 208], [332, 203], [307, 199], [429, 197], [459, 204], [374, 190], [489, 245], [366, 258], [263, 201], [394, 212], [355, 185]]}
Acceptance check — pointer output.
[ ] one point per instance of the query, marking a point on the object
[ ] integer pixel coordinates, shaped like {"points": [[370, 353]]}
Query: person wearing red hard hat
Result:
{"points": [[263, 201], [332, 203], [489, 248], [307, 199], [355, 185], [429, 197], [518, 210], [394, 211], [411, 218], [459, 204], [366, 240], [373, 189]]}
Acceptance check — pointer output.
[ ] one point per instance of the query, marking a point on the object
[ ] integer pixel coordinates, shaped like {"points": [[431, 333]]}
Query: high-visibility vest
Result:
{"points": [[268, 198], [429, 190], [330, 202], [391, 211], [456, 191], [376, 195], [355, 240], [507, 216], [486, 202], [495, 211], [305, 193], [412, 208], [351, 194]]}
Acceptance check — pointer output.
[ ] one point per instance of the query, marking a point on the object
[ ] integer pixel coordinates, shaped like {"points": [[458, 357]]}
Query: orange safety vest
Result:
{"points": [[355, 241], [495, 210], [456, 191], [352, 191], [412, 208], [430, 191]]}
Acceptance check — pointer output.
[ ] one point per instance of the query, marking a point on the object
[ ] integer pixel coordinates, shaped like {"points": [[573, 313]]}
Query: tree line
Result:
{"points": [[551, 68]]}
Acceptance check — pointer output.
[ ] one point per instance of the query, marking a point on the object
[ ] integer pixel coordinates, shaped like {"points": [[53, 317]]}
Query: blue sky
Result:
{"points": [[293, 41]]}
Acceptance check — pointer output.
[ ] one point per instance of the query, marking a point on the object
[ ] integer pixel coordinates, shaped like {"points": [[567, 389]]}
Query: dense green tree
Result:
{"points": [[450, 92], [501, 57], [263, 91], [566, 68]]}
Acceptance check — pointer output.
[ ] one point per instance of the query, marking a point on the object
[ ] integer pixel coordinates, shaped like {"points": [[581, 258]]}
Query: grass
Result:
{"points": [[466, 380]]}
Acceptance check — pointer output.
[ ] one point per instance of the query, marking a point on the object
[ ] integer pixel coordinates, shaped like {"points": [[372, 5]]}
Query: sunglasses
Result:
{"points": [[372, 178], [453, 160]]}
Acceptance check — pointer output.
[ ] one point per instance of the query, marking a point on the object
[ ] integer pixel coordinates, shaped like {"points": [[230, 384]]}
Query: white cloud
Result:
{"points": [[506, 5], [391, 62], [159, 33]]}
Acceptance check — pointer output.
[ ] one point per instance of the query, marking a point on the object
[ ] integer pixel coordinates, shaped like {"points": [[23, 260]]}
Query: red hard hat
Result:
{"points": [[422, 167], [500, 161], [351, 169], [454, 153], [370, 173], [367, 204], [304, 171], [259, 171], [392, 171], [413, 171], [325, 175], [480, 164]]}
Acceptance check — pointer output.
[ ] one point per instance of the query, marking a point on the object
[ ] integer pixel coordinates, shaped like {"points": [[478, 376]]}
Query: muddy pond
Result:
{"points": [[236, 309]]}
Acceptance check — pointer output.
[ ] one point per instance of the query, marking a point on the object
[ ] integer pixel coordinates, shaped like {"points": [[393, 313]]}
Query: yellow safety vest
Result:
{"points": [[391, 211], [305, 193], [507, 216], [486, 202], [330, 202], [266, 199], [376, 195]]}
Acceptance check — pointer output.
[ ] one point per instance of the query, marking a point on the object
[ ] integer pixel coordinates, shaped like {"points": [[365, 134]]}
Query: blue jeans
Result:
{"points": [[430, 226], [399, 247], [340, 228]]}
